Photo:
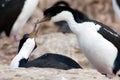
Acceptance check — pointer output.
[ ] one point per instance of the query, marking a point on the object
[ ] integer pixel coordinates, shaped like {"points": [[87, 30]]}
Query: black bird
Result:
{"points": [[99, 43], [14, 14], [48, 60], [63, 24], [52, 60]]}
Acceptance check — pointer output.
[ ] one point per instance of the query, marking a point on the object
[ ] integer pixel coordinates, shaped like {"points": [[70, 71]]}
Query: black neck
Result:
{"points": [[22, 62], [79, 16]]}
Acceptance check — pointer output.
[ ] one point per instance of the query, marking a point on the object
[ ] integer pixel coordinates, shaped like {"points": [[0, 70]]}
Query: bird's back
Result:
{"points": [[50, 60]]}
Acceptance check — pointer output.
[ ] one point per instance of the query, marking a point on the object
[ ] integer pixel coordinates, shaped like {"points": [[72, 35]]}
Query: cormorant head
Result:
{"points": [[58, 13], [62, 13]]}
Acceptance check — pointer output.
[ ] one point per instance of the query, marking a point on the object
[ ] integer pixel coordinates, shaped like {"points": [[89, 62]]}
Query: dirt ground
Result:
{"points": [[52, 41]]}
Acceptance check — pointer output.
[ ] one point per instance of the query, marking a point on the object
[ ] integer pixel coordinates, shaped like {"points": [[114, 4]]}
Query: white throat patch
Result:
{"points": [[63, 16]]}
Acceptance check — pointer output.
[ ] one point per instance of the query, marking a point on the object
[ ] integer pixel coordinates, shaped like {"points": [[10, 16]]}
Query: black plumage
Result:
{"points": [[52, 60], [106, 40], [9, 11]]}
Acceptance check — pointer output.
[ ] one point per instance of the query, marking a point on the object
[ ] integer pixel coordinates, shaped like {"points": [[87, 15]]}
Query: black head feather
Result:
{"points": [[23, 40], [25, 37], [50, 12], [53, 11]]}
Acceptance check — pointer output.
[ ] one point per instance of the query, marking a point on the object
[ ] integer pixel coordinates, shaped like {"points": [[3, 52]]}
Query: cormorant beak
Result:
{"points": [[43, 20], [33, 34]]}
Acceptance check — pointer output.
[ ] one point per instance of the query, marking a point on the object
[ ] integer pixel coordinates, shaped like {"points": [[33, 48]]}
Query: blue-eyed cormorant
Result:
{"points": [[100, 44]]}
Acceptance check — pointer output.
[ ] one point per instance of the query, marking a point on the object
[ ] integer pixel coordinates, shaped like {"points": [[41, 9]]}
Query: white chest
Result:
{"points": [[100, 52]]}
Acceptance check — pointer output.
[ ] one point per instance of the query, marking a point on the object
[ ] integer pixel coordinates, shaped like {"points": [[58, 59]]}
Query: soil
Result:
{"points": [[51, 41]]}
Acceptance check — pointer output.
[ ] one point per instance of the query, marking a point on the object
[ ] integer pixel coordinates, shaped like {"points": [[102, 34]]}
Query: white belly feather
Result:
{"points": [[100, 52]]}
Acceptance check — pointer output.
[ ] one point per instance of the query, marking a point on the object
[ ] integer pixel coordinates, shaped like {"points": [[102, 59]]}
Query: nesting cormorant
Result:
{"points": [[48, 60]]}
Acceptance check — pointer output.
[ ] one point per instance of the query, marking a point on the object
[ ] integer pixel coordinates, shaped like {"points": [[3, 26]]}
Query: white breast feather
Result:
{"points": [[100, 52]]}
